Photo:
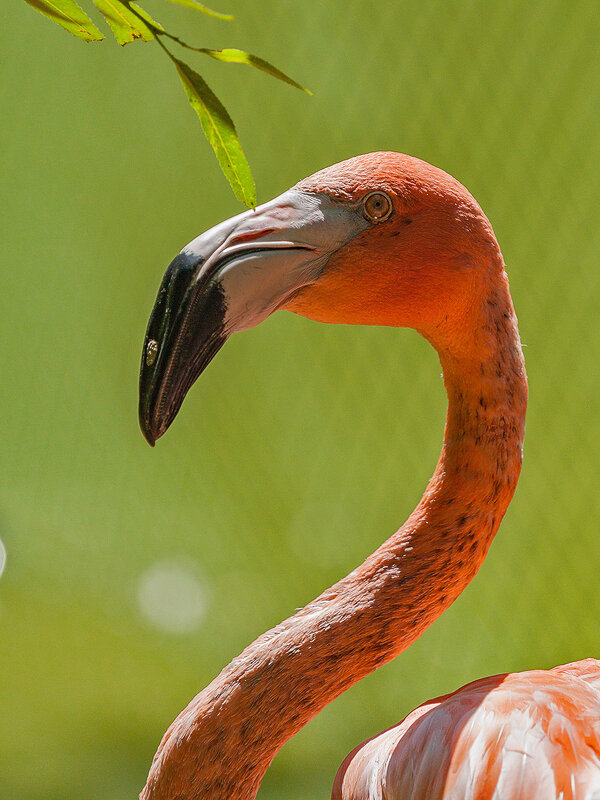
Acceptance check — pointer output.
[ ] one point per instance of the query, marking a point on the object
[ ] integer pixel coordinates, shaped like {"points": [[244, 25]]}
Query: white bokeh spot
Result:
{"points": [[2, 557], [172, 597]]}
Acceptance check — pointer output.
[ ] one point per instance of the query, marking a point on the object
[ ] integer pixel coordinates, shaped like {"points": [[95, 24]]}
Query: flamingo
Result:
{"points": [[380, 239]]}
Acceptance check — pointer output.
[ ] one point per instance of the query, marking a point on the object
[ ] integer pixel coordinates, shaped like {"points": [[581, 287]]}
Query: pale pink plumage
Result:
{"points": [[521, 736]]}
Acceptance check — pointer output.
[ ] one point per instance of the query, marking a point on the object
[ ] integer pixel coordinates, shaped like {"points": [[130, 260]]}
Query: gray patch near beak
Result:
{"points": [[229, 279], [274, 251]]}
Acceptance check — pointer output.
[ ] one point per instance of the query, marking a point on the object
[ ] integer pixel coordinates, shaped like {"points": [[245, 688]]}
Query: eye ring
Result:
{"points": [[377, 206]]}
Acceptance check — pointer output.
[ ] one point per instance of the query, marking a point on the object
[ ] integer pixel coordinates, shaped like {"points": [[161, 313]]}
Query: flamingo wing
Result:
{"points": [[522, 736]]}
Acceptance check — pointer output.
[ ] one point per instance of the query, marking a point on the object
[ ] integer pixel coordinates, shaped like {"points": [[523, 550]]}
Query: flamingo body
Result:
{"points": [[380, 239], [522, 736]]}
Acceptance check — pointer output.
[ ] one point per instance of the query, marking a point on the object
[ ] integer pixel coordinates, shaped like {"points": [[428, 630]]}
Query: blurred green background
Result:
{"points": [[133, 575]]}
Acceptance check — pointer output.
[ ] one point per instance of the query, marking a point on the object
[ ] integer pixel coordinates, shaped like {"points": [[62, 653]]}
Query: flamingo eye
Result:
{"points": [[377, 206]]}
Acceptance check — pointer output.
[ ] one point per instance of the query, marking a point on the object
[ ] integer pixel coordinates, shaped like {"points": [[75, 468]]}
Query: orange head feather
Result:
{"points": [[424, 267]]}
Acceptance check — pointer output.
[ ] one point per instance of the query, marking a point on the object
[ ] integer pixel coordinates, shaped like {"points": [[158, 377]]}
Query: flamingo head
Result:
{"points": [[380, 239]]}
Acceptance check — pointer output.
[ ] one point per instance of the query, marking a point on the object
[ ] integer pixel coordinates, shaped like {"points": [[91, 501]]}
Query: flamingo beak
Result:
{"points": [[229, 279]]}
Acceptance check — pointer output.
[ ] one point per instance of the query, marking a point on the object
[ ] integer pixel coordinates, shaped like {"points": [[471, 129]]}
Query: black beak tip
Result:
{"points": [[175, 283], [185, 331], [145, 403], [149, 438], [146, 428]]}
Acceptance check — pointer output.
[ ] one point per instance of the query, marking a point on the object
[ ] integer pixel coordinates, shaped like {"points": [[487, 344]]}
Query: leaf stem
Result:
{"points": [[158, 34]]}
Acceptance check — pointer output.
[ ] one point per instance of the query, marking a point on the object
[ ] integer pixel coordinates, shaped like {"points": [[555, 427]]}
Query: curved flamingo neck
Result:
{"points": [[220, 746]]}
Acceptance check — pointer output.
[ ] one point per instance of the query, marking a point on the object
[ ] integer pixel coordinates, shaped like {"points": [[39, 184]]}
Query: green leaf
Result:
{"points": [[69, 16], [233, 56], [125, 25], [146, 17], [200, 7], [220, 131]]}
